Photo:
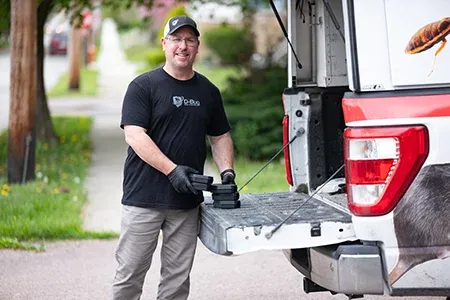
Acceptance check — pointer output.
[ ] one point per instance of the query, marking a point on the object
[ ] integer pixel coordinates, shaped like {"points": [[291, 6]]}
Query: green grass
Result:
{"points": [[50, 207], [88, 85], [271, 179], [8, 243]]}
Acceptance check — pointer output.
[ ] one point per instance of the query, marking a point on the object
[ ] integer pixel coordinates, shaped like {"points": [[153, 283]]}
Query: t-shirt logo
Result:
{"points": [[177, 101], [180, 100]]}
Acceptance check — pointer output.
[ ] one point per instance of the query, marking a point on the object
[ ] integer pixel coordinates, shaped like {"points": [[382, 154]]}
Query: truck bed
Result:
{"points": [[320, 221]]}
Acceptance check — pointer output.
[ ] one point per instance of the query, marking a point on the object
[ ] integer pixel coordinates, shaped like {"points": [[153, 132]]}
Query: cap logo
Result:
{"points": [[174, 22]]}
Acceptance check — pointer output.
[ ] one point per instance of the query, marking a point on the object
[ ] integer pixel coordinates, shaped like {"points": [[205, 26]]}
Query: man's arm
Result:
{"points": [[146, 149], [222, 151]]}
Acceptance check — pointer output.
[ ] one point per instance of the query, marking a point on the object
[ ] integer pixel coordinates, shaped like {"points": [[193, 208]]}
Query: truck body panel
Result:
{"points": [[377, 58], [415, 236]]}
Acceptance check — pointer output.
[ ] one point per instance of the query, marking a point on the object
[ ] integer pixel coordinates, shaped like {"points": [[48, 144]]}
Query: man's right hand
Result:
{"points": [[179, 178]]}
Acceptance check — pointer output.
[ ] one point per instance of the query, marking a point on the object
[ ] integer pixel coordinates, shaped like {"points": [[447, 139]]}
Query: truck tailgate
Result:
{"points": [[235, 231]]}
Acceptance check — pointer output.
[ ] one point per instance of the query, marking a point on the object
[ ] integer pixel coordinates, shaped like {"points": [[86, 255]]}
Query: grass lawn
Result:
{"points": [[271, 179], [50, 207], [88, 85]]}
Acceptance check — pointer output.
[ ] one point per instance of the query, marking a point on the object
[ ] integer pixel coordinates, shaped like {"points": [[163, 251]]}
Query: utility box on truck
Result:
{"points": [[319, 45]]}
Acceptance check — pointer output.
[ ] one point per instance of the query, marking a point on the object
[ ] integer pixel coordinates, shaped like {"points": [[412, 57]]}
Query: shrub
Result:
{"points": [[255, 112], [234, 46], [155, 57]]}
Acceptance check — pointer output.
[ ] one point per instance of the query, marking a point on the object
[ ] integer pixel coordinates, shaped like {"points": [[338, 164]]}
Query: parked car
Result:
{"points": [[58, 43]]}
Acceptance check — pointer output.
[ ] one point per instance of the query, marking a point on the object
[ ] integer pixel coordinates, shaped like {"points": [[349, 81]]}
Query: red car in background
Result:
{"points": [[58, 43]]}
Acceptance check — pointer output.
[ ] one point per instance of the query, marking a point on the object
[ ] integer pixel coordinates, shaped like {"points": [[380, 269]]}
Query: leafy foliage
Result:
{"points": [[127, 19], [4, 22], [255, 112], [155, 57], [233, 46], [5, 7]]}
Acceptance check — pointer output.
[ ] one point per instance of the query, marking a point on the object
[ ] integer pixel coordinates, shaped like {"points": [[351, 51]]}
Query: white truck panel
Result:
{"points": [[321, 50], [383, 29], [331, 57]]}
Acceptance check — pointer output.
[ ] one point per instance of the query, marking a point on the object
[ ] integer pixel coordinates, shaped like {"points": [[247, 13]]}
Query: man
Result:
{"points": [[166, 115]]}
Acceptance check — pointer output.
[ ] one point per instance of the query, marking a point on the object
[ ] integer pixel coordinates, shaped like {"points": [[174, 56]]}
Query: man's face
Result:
{"points": [[181, 48]]}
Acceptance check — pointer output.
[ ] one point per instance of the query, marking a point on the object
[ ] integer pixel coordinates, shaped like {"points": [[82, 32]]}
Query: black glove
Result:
{"points": [[228, 176], [179, 178]]}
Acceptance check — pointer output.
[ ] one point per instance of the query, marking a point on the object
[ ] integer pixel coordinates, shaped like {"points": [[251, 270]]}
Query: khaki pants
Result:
{"points": [[140, 229]]}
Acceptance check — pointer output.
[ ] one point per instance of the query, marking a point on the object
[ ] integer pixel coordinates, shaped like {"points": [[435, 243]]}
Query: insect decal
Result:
{"points": [[428, 36]]}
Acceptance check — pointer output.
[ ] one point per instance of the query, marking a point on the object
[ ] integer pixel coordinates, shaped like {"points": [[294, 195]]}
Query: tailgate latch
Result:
{"points": [[315, 229]]}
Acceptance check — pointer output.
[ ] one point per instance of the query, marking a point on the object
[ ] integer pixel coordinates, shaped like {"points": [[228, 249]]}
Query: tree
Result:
{"points": [[44, 125], [21, 142]]}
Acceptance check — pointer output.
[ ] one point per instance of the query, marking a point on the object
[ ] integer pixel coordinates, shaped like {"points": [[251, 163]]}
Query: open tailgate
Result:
{"points": [[319, 222]]}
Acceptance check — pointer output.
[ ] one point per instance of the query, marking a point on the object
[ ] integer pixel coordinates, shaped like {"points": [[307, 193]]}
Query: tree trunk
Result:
{"points": [[44, 125], [75, 57], [21, 140]]}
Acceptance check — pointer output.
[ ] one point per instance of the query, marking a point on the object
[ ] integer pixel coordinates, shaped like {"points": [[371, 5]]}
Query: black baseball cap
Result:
{"points": [[177, 22]]}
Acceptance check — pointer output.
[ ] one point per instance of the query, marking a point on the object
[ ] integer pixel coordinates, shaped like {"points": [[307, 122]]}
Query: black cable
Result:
{"points": [[275, 11], [267, 163], [270, 233]]}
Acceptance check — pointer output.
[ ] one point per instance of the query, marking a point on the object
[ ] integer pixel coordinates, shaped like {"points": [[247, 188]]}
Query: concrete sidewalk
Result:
{"points": [[104, 180]]}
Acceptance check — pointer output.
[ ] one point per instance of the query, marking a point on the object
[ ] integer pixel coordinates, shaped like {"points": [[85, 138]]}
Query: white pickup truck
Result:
{"points": [[368, 89]]}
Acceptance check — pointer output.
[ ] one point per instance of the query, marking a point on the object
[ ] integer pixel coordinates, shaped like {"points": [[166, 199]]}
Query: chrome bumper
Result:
{"points": [[347, 269]]}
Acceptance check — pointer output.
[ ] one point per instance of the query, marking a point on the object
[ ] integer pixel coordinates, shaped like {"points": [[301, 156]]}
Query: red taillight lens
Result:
{"points": [[371, 171], [380, 165], [287, 160]]}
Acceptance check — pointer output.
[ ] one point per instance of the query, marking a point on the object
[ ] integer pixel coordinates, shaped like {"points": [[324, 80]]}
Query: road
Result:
{"points": [[84, 270], [54, 67]]}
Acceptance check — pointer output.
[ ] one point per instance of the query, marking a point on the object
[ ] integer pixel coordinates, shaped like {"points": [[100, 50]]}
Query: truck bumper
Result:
{"points": [[347, 269]]}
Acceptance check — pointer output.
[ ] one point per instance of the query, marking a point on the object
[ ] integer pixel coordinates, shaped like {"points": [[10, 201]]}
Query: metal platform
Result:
{"points": [[235, 231]]}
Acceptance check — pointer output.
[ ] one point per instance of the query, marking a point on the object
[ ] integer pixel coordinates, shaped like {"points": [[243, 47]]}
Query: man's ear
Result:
{"points": [[163, 43]]}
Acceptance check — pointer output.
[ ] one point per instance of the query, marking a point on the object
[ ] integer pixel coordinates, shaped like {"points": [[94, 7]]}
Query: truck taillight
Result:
{"points": [[287, 160], [380, 165]]}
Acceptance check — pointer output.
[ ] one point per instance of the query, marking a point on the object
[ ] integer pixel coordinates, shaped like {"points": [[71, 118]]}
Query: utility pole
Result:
{"points": [[21, 136]]}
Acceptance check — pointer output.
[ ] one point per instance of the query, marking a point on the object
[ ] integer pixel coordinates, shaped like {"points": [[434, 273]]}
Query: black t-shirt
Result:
{"points": [[177, 115]]}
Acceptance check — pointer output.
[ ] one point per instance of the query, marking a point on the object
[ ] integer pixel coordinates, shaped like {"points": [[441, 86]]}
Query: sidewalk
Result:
{"points": [[104, 180]]}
